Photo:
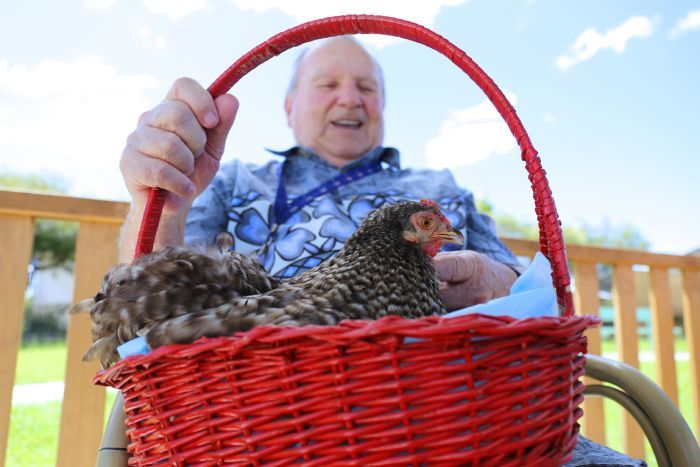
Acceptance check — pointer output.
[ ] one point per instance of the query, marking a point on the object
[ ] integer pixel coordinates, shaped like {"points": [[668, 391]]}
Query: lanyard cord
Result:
{"points": [[284, 210]]}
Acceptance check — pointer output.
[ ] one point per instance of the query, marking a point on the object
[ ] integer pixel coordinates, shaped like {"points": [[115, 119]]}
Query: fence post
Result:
{"points": [[588, 303], [624, 303], [17, 238], [82, 416], [662, 331], [691, 323]]}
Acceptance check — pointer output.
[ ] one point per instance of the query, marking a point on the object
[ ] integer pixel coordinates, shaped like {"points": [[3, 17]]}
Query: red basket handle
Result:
{"points": [[551, 239]]}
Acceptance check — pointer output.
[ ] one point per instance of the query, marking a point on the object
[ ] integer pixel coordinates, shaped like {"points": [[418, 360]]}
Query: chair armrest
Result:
{"points": [[678, 440], [112, 451]]}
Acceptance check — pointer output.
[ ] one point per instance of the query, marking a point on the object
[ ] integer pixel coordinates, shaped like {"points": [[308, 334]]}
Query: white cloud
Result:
{"points": [[70, 118], [590, 42], [148, 39], [176, 9], [690, 22], [99, 4], [423, 12], [470, 135]]}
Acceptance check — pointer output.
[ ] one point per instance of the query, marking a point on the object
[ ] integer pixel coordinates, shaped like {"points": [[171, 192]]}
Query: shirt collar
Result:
{"points": [[388, 155]]}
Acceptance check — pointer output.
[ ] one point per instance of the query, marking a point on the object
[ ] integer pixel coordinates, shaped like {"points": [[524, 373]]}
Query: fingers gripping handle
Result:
{"points": [[551, 239]]}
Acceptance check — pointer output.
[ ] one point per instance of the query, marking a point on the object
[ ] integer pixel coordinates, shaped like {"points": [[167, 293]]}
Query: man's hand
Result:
{"points": [[177, 145], [468, 277]]}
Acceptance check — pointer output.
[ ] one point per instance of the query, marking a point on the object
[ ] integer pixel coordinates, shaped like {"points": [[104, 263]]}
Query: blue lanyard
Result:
{"points": [[283, 210]]}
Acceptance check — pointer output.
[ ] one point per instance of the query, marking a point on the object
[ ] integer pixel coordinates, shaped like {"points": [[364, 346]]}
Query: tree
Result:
{"points": [[42, 183], [605, 235]]}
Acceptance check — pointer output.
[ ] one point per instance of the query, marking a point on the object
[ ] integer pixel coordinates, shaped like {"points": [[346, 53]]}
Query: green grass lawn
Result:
{"points": [[34, 428], [41, 363], [33, 437]]}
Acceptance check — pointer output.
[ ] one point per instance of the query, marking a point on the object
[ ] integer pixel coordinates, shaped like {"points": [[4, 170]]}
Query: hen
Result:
{"points": [[177, 295]]}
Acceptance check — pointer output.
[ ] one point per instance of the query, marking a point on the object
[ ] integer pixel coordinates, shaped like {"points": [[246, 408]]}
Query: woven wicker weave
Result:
{"points": [[472, 390]]}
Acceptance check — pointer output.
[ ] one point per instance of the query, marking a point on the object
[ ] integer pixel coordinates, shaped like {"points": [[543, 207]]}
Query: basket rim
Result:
{"points": [[348, 332]]}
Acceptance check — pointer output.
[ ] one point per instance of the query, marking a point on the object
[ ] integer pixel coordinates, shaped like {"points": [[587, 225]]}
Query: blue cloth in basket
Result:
{"points": [[531, 295], [137, 346]]}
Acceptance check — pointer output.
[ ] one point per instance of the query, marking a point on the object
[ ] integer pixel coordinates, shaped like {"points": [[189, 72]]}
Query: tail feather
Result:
{"points": [[105, 349], [83, 306]]}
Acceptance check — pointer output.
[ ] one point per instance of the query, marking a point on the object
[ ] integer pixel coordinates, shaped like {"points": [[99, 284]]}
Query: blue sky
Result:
{"points": [[606, 89]]}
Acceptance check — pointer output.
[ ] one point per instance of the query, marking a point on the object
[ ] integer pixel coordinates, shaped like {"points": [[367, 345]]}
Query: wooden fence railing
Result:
{"points": [[99, 224]]}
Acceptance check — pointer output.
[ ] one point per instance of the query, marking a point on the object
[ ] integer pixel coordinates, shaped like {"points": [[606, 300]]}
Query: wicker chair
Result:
{"points": [[668, 433]]}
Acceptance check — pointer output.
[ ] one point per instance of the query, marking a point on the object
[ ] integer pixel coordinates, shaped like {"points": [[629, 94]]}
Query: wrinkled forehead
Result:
{"points": [[338, 56]]}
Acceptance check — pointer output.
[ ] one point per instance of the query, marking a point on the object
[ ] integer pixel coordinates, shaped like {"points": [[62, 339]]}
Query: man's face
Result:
{"points": [[336, 108]]}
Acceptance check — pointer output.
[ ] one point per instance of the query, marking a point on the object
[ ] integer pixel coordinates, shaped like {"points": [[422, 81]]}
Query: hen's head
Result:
{"points": [[421, 224]]}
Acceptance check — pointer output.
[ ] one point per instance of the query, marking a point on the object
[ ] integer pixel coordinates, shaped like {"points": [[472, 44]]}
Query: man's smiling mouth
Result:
{"points": [[347, 123]]}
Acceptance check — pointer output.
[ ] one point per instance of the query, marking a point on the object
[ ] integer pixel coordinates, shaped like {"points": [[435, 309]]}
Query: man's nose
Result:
{"points": [[349, 96]]}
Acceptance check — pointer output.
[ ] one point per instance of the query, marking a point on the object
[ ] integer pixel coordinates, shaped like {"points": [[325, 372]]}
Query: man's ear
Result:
{"points": [[288, 109]]}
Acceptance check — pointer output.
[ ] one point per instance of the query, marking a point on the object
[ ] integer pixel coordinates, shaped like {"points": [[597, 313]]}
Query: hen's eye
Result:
{"points": [[426, 222]]}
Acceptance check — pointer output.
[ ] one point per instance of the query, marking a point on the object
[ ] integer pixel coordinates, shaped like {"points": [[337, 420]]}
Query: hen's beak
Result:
{"points": [[450, 235]]}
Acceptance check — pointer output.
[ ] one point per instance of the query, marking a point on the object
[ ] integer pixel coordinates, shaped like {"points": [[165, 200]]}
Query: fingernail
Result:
{"points": [[210, 119], [191, 190]]}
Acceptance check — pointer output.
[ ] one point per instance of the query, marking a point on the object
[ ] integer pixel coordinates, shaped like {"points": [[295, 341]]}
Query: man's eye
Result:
{"points": [[366, 85]]}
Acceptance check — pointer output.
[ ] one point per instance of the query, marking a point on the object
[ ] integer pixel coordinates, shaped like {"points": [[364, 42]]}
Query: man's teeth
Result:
{"points": [[352, 123]]}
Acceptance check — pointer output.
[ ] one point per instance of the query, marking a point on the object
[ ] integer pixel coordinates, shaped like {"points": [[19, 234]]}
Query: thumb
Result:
{"points": [[227, 108], [454, 266]]}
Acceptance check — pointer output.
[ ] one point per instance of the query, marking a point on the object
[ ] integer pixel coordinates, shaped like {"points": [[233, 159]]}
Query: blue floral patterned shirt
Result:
{"points": [[241, 199]]}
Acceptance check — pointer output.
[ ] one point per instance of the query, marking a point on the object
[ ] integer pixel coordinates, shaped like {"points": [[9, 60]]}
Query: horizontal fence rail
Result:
{"points": [[99, 224]]}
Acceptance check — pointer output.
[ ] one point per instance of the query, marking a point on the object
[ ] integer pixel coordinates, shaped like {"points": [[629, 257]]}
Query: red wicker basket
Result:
{"points": [[472, 390]]}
